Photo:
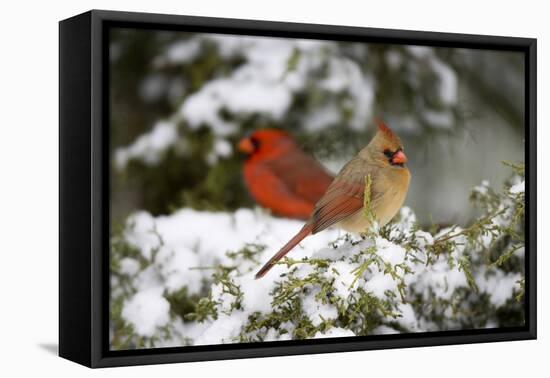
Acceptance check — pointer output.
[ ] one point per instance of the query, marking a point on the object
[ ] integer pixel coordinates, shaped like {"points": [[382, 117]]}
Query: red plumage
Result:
{"points": [[280, 176]]}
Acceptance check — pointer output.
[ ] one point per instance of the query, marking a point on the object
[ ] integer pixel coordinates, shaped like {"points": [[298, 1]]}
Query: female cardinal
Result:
{"points": [[280, 176], [342, 204]]}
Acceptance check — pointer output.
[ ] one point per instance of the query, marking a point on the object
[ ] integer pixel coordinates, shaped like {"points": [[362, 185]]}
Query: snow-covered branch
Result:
{"points": [[188, 278]]}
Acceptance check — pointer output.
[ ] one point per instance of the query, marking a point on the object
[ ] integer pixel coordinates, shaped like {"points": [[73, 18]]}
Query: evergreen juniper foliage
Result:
{"points": [[174, 283]]}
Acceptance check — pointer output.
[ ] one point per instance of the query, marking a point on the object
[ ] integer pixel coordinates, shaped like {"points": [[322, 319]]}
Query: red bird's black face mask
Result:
{"points": [[264, 141], [248, 145]]}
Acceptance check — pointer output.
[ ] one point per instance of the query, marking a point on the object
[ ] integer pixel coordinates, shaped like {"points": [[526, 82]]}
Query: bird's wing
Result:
{"points": [[302, 174], [345, 195], [272, 192]]}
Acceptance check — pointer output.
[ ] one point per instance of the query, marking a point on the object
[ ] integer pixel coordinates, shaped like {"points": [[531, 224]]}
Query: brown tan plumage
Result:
{"points": [[342, 204]]}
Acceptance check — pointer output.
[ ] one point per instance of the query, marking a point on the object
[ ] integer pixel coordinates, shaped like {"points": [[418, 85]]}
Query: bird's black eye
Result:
{"points": [[255, 142], [388, 154]]}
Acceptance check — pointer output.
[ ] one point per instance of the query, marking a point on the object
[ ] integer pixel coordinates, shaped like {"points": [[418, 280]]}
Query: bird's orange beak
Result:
{"points": [[245, 145], [399, 158]]}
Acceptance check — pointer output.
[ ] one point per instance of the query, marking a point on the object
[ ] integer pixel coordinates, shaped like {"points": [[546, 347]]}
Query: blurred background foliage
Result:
{"points": [[181, 101]]}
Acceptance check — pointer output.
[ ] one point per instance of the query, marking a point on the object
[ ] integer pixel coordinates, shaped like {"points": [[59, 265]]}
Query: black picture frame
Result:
{"points": [[84, 188]]}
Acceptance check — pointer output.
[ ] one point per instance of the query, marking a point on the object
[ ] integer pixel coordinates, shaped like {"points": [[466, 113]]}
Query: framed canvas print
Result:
{"points": [[234, 188]]}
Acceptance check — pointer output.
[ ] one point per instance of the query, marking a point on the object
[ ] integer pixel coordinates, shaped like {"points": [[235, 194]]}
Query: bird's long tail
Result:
{"points": [[305, 231]]}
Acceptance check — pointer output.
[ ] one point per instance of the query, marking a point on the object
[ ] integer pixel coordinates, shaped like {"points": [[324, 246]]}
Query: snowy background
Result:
{"points": [[181, 101], [179, 104]]}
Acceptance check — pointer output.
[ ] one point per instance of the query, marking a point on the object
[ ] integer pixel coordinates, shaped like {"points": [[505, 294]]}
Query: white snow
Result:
{"points": [[322, 118], [316, 311], [419, 51], [389, 252], [148, 147], [424, 238], [222, 147], [438, 280], [441, 119], [152, 87], [239, 94], [518, 188], [275, 335], [187, 241], [334, 332], [394, 59], [183, 51], [344, 277], [184, 248], [447, 79], [225, 329], [256, 297], [384, 330], [260, 85], [448, 82], [263, 84], [379, 284], [483, 188], [408, 317], [499, 285], [129, 266], [346, 74], [146, 311]]}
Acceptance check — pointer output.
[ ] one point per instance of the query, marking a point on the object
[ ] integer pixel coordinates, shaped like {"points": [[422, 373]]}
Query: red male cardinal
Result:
{"points": [[280, 176], [342, 204]]}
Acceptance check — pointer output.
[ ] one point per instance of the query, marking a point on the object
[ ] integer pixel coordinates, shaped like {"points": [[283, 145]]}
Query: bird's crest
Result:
{"points": [[384, 129]]}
